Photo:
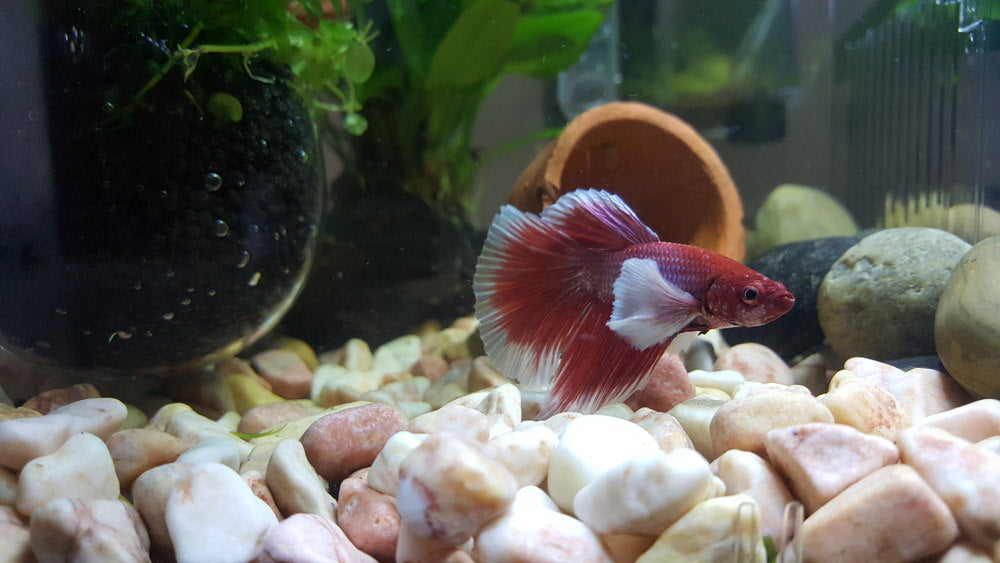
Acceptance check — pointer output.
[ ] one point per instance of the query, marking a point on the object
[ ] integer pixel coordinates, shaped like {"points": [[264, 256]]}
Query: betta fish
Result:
{"points": [[584, 298]]}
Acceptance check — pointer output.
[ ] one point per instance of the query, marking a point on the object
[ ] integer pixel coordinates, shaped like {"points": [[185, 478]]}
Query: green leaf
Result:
{"points": [[547, 43], [473, 50]]}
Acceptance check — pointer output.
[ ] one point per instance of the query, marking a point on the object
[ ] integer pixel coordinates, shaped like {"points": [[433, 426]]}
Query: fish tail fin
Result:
{"points": [[526, 265]]}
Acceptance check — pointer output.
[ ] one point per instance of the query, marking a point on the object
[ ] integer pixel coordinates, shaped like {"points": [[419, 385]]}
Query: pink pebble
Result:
{"points": [[288, 375], [347, 440], [431, 367], [308, 538], [368, 517], [667, 387], [755, 362]]}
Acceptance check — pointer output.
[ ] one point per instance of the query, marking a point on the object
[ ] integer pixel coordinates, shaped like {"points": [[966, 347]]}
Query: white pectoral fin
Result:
{"points": [[649, 309]]}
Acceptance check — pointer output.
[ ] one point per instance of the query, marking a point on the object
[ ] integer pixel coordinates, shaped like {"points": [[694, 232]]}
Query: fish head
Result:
{"points": [[746, 298]]}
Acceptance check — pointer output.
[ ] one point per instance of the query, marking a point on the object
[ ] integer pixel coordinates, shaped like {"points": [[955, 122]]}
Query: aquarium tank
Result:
{"points": [[499, 280]]}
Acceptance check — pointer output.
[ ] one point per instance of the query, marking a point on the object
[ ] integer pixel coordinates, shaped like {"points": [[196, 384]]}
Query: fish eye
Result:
{"points": [[749, 294]]}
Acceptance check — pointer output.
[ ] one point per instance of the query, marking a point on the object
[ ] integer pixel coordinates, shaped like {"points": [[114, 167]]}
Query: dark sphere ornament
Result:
{"points": [[143, 232]]}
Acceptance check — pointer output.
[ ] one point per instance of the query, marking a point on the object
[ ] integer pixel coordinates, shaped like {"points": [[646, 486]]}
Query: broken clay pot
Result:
{"points": [[657, 163]]}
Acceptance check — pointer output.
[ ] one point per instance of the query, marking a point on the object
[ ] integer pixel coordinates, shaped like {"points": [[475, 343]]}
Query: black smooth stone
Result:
{"points": [[801, 266]]}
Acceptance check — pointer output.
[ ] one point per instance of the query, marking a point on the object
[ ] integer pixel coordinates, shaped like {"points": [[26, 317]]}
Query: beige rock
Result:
{"points": [[397, 355], [793, 212], [626, 548], [217, 450], [617, 410], [755, 362], [668, 385], [921, 392], [811, 373], [992, 444], [192, 428], [558, 423], [162, 416], [300, 348], [973, 422], [964, 552], [525, 452], [310, 538], [463, 420], [89, 530], [718, 529], [9, 411], [8, 487], [262, 417], [858, 403], [81, 468], [347, 440], [965, 323], [966, 476], [484, 376], [820, 460], [502, 407], [890, 515], [695, 416], [533, 529], [286, 371], [248, 391], [743, 423], [149, 496], [334, 384], [711, 393], [14, 537], [644, 494], [384, 473], [448, 488], [748, 473], [357, 355], [414, 548], [724, 380], [440, 394], [411, 389], [664, 428], [295, 485], [136, 450], [368, 518]]}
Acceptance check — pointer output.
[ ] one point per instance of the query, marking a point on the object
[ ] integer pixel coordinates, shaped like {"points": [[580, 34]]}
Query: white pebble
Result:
{"points": [[644, 494], [533, 529], [308, 538], [213, 516], [526, 452], [590, 445], [384, 473], [24, 439], [218, 450], [81, 468], [294, 483], [88, 530]]}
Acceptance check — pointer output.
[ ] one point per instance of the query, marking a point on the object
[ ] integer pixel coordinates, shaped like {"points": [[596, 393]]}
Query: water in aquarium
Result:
{"points": [[487, 280]]}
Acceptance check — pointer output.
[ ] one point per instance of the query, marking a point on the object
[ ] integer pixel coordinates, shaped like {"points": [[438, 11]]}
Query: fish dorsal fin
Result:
{"points": [[649, 309], [597, 220]]}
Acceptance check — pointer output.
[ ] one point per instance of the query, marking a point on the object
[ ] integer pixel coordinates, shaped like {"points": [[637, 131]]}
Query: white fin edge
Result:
{"points": [[649, 309]]}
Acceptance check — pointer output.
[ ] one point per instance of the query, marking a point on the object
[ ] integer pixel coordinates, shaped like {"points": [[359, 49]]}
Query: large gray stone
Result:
{"points": [[967, 326], [879, 298]]}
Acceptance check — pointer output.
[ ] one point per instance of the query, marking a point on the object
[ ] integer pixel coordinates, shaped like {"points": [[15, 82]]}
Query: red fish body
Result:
{"points": [[584, 299]]}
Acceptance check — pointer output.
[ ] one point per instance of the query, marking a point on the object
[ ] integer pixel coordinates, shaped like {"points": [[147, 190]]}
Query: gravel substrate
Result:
{"points": [[421, 451]]}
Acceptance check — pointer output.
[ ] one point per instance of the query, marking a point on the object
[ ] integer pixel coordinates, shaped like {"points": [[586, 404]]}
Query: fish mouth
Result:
{"points": [[784, 301]]}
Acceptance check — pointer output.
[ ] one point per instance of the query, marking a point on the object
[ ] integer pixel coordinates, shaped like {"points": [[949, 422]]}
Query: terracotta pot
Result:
{"points": [[656, 162]]}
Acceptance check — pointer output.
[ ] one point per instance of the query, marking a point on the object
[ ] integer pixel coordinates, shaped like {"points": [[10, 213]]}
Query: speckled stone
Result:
{"points": [[308, 538], [136, 450], [109, 531], [888, 285], [967, 325], [368, 517], [755, 362], [801, 266], [746, 472], [668, 385], [744, 422]]}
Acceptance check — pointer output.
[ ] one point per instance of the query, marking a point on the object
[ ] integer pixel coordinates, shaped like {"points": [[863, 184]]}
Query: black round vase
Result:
{"points": [[150, 235]]}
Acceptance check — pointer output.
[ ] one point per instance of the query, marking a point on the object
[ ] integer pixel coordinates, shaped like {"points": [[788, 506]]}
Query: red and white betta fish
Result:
{"points": [[584, 298]]}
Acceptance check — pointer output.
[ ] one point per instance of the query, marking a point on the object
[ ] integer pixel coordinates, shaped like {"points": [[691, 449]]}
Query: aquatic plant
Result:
{"points": [[325, 45], [434, 70]]}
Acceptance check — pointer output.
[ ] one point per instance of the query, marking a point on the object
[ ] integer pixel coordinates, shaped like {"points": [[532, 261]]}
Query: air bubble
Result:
{"points": [[186, 301], [220, 229], [171, 273], [61, 312], [137, 286], [213, 181], [244, 259], [167, 316], [254, 280], [303, 156]]}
